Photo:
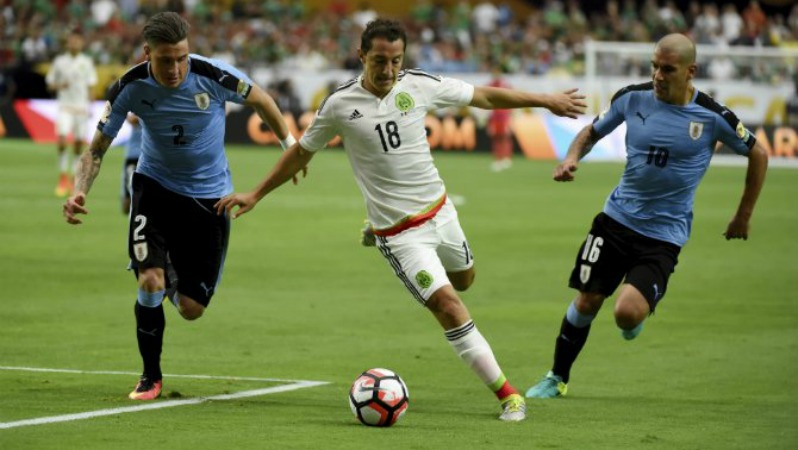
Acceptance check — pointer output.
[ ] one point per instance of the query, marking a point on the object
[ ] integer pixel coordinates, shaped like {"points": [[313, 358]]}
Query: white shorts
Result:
{"points": [[68, 121], [421, 256]]}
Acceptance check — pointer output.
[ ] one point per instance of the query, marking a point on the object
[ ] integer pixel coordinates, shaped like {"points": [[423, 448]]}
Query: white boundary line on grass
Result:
{"points": [[295, 384]]}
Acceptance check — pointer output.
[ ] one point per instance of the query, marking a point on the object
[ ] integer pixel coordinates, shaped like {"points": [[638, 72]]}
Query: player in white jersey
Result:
{"points": [[380, 116], [71, 76]]}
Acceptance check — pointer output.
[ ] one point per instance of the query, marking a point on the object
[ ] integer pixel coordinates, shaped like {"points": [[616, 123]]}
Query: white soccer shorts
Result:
{"points": [[73, 122], [421, 256]]}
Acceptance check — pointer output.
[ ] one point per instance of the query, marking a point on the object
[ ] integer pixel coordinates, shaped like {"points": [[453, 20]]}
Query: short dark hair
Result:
{"points": [[165, 28], [382, 28]]}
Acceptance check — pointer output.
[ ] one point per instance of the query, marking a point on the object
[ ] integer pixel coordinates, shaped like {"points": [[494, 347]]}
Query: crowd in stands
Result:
{"points": [[463, 37]]}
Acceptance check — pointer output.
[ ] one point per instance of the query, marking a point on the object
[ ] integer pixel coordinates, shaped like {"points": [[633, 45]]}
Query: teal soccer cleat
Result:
{"points": [[549, 387], [631, 334]]}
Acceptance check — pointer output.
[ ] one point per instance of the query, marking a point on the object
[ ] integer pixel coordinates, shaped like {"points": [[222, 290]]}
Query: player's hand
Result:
{"points": [[565, 171], [568, 104], [295, 178], [73, 206], [245, 202], [737, 229]]}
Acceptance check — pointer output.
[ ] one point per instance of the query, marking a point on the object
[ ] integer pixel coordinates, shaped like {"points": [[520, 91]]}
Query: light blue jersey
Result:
{"points": [[182, 145], [668, 151], [133, 144]]}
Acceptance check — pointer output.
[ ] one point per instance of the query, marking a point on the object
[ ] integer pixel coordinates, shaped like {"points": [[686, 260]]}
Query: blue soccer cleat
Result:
{"points": [[549, 387], [631, 334]]}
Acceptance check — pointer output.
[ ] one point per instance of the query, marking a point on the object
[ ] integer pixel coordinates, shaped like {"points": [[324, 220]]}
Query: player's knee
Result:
{"points": [[189, 308], [461, 281], [151, 280], [589, 303], [628, 315]]}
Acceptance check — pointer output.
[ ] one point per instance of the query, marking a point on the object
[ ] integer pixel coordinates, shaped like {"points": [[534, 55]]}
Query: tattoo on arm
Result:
{"points": [[90, 162], [583, 142]]}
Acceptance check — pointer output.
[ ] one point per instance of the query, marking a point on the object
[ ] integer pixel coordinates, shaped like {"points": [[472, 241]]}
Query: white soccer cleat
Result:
{"points": [[513, 409]]}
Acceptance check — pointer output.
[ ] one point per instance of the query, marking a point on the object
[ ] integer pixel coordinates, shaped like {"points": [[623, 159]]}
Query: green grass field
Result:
{"points": [[716, 367]]}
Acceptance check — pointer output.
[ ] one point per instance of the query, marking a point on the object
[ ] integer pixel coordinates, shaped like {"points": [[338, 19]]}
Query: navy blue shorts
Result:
{"points": [[613, 252], [184, 228]]}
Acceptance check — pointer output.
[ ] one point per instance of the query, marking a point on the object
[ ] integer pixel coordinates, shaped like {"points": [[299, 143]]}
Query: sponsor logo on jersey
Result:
{"points": [[355, 115], [203, 100], [696, 128], [404, 102], [424, 279]]}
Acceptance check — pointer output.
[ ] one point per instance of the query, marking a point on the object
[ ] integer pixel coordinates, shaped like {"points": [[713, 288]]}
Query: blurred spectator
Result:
{"points": [[484, 17], [457, 35], [706, 29], [721, 68], [363, 15], [35, 48], [754, 15], [102, 11], [732, 23]]}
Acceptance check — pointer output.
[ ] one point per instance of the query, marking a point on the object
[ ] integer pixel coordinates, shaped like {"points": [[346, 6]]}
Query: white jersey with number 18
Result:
{"points": [[386, 141]]}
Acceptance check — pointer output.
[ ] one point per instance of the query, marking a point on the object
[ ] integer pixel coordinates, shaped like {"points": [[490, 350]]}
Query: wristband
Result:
{"points": [[287, 142]]}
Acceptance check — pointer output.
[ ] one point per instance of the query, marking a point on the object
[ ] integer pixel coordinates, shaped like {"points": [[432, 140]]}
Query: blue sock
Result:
{"points": [[150, 299], [576, 318]]}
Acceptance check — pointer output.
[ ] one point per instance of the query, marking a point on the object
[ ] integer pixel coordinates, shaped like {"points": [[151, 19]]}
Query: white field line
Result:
{"points": [[294, 385]]}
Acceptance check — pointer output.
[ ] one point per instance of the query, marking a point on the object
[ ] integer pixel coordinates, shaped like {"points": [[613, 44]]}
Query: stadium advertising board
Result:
{"points": [[537, 135]]}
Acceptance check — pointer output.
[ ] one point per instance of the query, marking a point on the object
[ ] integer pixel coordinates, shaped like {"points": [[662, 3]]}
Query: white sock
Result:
{"points": [[474, 350], [63, 161]]}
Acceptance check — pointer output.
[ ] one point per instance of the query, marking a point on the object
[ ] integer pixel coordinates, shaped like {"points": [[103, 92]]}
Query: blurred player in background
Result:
{"points": [[175, 234], [671, 133], [132, 154], [71, 76], [380, 117], [498, 129]]}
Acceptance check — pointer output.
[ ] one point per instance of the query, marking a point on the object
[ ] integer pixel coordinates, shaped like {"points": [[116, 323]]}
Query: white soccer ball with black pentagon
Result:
{"points": [[378, 397]]}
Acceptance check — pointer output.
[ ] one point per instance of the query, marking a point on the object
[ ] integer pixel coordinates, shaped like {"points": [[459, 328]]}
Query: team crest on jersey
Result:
{"points": [[696, 128], [203, 100], [424, 279], [404, 102], [742, 132], [243, 88], [140, 250]]}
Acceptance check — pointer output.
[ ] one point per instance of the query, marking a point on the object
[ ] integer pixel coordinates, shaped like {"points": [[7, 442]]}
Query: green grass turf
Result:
{"points": [[716, 367]]}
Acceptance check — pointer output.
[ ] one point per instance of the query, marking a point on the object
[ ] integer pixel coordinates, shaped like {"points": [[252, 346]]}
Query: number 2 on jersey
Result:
{"points": [[392, 130]]}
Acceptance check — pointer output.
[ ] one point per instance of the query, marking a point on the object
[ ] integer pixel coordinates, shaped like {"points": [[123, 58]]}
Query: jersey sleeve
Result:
{"points": [[445, 92], [323, 128], [732, 132], [232, 85], [614, 115], [115, 112]]}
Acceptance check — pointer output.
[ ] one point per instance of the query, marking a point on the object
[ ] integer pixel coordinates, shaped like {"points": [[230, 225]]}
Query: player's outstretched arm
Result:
{"points": [[267, 109], [580, 146], [86, 172], [567, 104], [754, 180], [292, 161]]}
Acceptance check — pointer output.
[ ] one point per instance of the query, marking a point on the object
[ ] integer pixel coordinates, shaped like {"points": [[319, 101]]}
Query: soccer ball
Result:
{"points": [[378, 397]]}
